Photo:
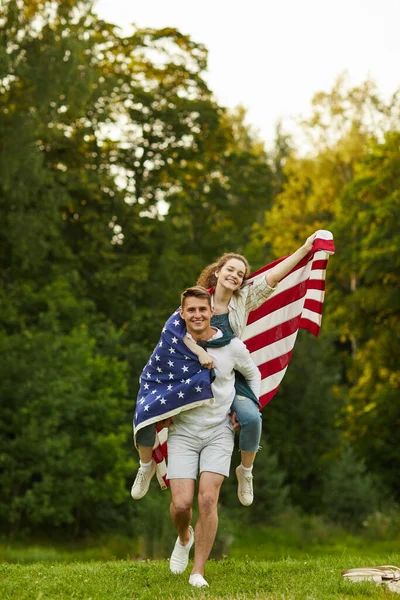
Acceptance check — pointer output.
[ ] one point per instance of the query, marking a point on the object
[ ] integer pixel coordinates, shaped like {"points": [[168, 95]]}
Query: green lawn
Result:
{"points": [[302, 561], [305, 578]]}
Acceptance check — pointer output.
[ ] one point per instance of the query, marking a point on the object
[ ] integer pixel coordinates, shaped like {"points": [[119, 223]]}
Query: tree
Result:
{"points": [[350, 493], [368, 314], [99, 135]]}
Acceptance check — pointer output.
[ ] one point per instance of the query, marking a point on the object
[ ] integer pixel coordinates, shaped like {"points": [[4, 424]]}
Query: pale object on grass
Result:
{"points": [[383, 574]]}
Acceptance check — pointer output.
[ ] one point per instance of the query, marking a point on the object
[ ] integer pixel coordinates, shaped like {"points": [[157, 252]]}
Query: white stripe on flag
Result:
{"points": [[279, 316], [271, 382], [278, 348]]}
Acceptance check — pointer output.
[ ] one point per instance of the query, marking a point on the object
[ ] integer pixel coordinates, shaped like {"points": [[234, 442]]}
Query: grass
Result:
{"points": [[309, 537], [308, 578], [301, 561]]}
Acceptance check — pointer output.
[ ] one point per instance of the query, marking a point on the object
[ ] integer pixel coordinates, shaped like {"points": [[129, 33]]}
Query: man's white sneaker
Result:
{"points": [[245, 487], [142, 481], [180, 554], [197, 580]]}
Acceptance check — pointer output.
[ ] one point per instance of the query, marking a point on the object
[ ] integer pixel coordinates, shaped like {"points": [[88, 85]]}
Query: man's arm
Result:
{"points": [[245, 365]]}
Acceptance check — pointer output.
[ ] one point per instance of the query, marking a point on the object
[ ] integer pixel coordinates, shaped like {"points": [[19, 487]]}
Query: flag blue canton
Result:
{"points": [[172, 378]]}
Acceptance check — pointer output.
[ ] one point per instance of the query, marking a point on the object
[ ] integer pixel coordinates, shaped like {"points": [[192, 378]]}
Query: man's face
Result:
{"points": [[196, 312]]}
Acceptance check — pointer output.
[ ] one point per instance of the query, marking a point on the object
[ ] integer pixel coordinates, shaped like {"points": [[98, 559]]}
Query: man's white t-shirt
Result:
{"points": [[215, 412]]}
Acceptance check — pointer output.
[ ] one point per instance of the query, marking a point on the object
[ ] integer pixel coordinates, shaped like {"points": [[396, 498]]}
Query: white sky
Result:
{"points": [[272, 56]]}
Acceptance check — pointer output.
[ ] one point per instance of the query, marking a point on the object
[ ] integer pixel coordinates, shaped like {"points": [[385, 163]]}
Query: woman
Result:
{"points": [[233, 300]]}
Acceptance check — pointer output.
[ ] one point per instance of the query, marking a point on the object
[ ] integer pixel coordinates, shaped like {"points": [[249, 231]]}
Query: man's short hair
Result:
{"points": [[197, 291]]}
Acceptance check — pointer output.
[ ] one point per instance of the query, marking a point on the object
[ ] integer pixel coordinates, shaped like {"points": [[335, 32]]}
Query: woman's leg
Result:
{"points": [[249, 417], [145, 439]]}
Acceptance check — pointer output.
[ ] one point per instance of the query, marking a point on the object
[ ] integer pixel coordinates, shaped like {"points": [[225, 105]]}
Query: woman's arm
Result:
{"points": [[204, 358], [280, 270]]}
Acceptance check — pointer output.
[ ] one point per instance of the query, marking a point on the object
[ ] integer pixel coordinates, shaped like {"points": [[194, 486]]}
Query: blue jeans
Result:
{"points": [[249, 417]]}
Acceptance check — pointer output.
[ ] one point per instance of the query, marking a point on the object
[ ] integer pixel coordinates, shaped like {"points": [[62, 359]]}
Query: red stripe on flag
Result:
{"points": [[316, 284], [310, 326], [275, 365], [325, 245], [278, 301], [265, 398], [157, 454], [274, 334], [319, 265], [313, 306]]}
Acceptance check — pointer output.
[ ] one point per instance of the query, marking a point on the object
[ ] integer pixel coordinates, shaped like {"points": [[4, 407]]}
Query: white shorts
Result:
{"points": [[190, 454]]}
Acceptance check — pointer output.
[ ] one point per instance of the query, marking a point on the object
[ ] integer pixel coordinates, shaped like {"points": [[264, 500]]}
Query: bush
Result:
{"points": [[350, 494]]}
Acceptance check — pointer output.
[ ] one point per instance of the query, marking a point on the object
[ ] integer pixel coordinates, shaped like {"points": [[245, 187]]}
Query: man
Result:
{"points": [[201, 439]]}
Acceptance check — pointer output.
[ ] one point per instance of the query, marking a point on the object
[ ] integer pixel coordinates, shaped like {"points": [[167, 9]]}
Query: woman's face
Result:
{"points": [[231, 275]]}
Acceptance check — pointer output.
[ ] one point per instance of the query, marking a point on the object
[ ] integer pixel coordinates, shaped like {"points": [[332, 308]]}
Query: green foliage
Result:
{"points": [[368, 316], [98, 133], [63, 431], [350, 493], [299, 421]]}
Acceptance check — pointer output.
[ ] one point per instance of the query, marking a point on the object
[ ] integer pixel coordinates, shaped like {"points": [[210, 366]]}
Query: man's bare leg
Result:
{"points": [[207, 522], [182, 492]]}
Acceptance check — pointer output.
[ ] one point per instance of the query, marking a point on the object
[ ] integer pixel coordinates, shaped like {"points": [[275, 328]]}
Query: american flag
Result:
{"points": [[172, 380], [271, 329], [270, 335]]}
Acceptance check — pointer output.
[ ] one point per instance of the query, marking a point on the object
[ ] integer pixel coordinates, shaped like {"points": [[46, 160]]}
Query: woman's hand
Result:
{"points": [[205, 359], [235, 423], [309, 242]]}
